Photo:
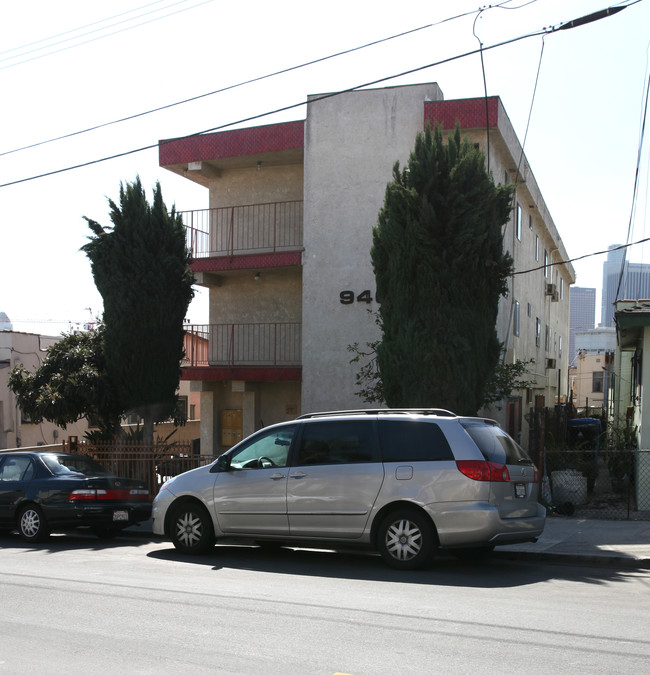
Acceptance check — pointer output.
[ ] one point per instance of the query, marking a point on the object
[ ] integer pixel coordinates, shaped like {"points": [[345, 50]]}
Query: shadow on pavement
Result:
{"points": [[81, 539], [362, 565]]}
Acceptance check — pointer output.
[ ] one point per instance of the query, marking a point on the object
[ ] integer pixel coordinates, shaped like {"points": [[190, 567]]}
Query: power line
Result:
{"points": [[271, 112], [544, 31], [246, 82], [121, 30], [587, 255], [76, 30]]}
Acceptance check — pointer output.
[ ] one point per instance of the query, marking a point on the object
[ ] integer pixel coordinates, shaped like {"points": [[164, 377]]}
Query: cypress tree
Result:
{"points": [[440, 268], [141, 269]]}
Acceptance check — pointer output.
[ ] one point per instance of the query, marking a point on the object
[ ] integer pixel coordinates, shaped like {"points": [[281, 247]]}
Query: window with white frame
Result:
{"points": [[515, 321], [518, 222]]}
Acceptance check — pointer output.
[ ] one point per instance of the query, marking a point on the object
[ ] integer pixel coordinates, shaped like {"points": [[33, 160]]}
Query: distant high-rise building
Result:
{"points": [[582, 315], [634, 283], [5, 324]]}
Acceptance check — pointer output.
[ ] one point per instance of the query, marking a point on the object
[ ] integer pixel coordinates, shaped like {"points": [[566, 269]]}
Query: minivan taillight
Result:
{"points": [[479, 469]]}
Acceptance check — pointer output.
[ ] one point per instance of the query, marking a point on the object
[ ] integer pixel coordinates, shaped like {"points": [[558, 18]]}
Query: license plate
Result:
{"points": [[520, 490], [120, 515]]}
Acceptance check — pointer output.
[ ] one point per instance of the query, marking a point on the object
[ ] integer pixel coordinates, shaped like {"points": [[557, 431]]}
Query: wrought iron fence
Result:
{"points": [[153, 464], [605, 484], [251, 344], [252, 228]]}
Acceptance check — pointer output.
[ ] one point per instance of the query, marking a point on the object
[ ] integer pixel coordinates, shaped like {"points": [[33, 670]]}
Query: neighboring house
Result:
{"points": [[633, 384], [632, 378], [284, 251], [16, 430], [592, 375]]}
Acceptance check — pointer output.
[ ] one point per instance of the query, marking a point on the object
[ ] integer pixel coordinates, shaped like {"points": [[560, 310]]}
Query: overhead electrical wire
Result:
{"points": [[595, 16], [251, 80], [544, 31], [581, 257], [121, 30], [80, 28]]}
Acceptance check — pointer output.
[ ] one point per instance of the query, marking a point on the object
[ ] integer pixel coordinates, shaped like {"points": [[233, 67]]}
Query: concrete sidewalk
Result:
{"points": [[619, 543], [623, 543]]}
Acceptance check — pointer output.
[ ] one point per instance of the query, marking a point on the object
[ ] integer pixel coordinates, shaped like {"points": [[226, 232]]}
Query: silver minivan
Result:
{"points": [[406, 482]]}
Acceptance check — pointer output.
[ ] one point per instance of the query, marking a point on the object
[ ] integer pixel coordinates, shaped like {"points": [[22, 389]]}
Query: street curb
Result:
{"points": [[576, 559]]}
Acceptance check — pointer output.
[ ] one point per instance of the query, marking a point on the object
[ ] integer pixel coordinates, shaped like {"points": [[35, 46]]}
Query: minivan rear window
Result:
{"points": [[495, 444], [412, 441]]}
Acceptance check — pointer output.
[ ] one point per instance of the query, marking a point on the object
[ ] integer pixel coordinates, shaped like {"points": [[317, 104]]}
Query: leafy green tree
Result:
{"points": [[440, 268], [141, 268], [70, 383]]}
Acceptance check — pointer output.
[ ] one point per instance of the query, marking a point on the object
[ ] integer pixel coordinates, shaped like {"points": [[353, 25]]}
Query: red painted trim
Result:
{"points": [[245, 373], [247, 262], [235, 143], [469, 112]]}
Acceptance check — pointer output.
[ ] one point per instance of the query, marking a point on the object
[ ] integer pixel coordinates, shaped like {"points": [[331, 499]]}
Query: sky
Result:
{"points": [[575, 96]]}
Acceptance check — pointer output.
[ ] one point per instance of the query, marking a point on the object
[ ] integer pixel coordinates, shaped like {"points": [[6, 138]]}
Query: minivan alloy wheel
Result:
{"points": [[406, 539]]}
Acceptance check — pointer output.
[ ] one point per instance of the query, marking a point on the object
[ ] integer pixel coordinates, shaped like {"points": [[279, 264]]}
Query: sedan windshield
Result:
{"points": [[65, 464]]}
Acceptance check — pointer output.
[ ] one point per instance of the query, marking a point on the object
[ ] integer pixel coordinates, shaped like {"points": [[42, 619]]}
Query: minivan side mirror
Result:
{"points": [[222, 464]]}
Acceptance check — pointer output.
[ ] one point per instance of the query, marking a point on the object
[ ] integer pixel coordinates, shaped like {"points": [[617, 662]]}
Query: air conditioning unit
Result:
{"points": [[550, 364], [555, 297], [550, 289]]}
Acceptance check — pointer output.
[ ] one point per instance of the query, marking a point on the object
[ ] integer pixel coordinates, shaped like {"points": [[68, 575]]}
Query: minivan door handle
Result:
{"points": [[276, 476], [298, 474]]}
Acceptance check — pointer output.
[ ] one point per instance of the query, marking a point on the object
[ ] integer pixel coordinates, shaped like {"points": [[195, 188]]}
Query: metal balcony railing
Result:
{"points": [[255, 228], [243, 344]]}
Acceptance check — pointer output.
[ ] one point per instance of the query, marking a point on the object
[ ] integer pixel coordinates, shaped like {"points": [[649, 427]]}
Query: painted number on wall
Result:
{"points": [[349, 297]]}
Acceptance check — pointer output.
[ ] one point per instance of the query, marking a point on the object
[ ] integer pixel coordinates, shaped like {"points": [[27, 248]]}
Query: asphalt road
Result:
{"points": [[78, 605]]}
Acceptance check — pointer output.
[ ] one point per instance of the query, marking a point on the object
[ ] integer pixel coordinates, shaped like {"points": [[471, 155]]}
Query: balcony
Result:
{"points": [[243, 351], [255, 230]]}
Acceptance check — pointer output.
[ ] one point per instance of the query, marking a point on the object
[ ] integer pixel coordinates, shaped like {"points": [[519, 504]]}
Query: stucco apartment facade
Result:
{"points": [[284, 251]]}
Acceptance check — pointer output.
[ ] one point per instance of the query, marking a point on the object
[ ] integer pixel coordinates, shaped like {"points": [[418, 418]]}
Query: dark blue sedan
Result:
{"points": [[44, 491]]}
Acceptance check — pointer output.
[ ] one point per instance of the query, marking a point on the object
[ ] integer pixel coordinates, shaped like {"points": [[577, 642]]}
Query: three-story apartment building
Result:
{"points": [[284, 250]]}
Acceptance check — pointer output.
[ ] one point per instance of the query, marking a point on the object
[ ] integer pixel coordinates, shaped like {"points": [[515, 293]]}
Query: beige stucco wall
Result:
{"points": [[241, 186], [351, 144], [28, 349]]}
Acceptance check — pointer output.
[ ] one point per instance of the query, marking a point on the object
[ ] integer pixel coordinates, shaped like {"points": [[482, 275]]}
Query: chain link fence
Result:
{"points": [[604, 484]]}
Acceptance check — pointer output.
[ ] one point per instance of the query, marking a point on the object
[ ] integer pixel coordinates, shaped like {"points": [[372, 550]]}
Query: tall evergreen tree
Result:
{"points": [[440, 268], [141, 268]]}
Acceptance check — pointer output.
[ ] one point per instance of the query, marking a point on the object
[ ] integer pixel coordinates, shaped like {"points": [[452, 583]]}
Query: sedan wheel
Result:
{"points": [[32, 525], [406, 540], [191, 529]]}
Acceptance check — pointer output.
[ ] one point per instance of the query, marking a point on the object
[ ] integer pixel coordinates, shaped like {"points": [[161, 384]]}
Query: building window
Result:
{"points": [[597, 384], [561, 288], [560, 354], [537, 248], [545, 264], [530, 309], [538, 332], [547, 339], [518, 222], [530, 223], [515, 324]]}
